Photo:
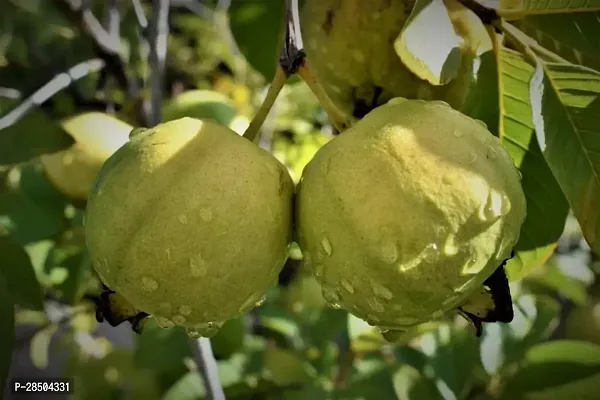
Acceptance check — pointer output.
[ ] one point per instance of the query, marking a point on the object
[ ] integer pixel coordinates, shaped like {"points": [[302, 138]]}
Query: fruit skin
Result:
{"points": [[97, 136], [350, 48], [407, 213], [190, 223], [200, 104]]}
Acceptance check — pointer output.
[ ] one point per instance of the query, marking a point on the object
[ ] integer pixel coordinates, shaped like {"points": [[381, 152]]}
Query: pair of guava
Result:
{"points": [[402, 218]]}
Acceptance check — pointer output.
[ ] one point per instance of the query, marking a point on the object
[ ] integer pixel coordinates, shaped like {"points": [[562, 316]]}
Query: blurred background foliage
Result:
{"points": [[292, 347]]}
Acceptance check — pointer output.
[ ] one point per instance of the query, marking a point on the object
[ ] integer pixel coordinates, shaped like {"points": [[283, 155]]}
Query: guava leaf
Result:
{"points": [[456, 358], [547, 208], [40, 346], [411, 384], [535, 320], [551, 277], [162, 351], [571, 36], [565, 100], [30, 207], [20, 276], [7, 331], [554, 364], [287, 368], [372, 380], [257, 27], [230, 338], [31, 136], [66, 266], [428, 44], [364, 338], [521, 8]]}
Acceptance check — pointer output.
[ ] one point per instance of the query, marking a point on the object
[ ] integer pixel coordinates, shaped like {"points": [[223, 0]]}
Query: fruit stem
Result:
{"points": [[338, 119], [277, 84], [293, 60]]}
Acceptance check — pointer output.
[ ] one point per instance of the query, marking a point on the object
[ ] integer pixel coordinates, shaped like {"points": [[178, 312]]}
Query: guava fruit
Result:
{"points": [[190, 223], [97, 136], [350, 49], [200, 104], [404, 217]]}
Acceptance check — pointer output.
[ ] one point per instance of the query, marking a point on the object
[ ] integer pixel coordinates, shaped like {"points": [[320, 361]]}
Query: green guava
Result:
{"points": [[97, 136], [404, 216], [350, 49], [191, 223]]}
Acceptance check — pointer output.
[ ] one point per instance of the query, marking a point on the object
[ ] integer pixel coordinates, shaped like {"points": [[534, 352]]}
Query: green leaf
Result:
{"points": [[31, 209], [257, 27], [566, 104], [535, 320], [364, 338], [411, 384], [456, 358], [553, 364], [547, 208], [18, 271], [40, 345], [437, 61], [7, 331], [31, 136], [369, 383], [287, 368], [571, 36], [162, 351], [568, 287], [532, 7], [230, 338], [66, 266]]}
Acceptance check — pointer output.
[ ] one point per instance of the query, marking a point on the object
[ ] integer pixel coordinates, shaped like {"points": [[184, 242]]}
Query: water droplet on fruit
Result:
{"points": [[179, 319], [260, 301], [208, 329], [428, 253], [67, 159], [491, 153], [183, 219], [198, 267], [389, 252], [407, 321], [458, 133], [206, 214], [358, 56], [326, 246], [493, 208], [136, 131], [319, 270], [347, 285], [437, 314], [149, 284], [168, 251], [380, 290], [184, 309], [331, 297], [480, 122], [472, 158], [376, 305], [248, 304], [163, 322], [393, 335], [193, 334], [372, 319]]}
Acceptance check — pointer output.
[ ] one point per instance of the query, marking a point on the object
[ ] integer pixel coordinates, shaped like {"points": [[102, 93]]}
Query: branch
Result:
{"points": [[208, 368], [55, 85], [139, 14], [105, 46], [158, 35]]}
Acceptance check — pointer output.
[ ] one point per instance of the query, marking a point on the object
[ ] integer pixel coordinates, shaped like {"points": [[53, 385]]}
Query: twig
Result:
{"points": [[55, 85], [196, 7], [158, 34], [139, 14], [208, 368], [93, 27], [104, 45]]}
